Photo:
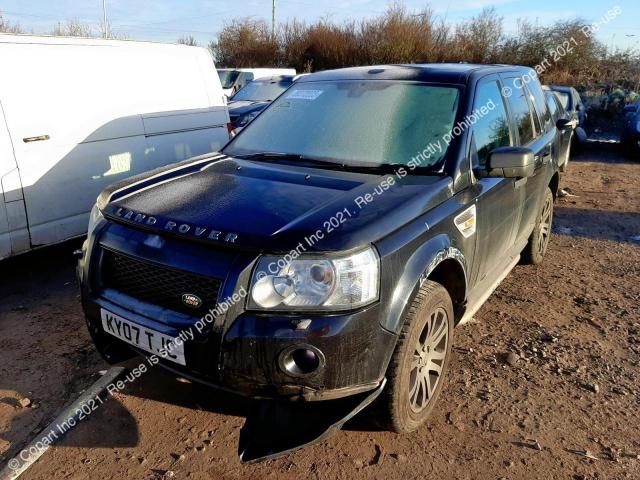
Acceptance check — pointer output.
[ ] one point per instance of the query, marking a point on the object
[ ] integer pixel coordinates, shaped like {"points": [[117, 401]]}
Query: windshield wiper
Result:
{"points": [[319, 163]]}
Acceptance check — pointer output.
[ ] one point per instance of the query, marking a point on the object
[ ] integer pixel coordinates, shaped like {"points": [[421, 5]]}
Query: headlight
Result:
{"points": [[95, 218], [316, 282], [247, 118]]}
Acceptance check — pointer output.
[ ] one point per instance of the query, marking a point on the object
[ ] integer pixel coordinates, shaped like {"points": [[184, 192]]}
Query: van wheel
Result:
{"points": [[534, 252], [420, 361]]}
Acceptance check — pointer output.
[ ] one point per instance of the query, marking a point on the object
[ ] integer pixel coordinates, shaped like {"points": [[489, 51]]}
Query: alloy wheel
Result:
{"points": [[428, 360]]}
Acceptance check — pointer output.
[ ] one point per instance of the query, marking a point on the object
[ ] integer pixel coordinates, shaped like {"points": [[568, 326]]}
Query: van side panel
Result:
{"points": [[14, 236], [83, 114]]}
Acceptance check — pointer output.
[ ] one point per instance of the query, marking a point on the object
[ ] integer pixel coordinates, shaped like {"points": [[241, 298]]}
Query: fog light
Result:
{"points": [[301, 360]]}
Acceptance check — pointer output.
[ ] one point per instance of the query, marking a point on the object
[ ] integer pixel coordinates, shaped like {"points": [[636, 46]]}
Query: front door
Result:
{"points": [[499, 200]]}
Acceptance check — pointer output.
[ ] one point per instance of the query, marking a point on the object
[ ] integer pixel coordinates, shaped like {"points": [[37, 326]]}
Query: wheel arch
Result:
{"points": [[437, 260]]}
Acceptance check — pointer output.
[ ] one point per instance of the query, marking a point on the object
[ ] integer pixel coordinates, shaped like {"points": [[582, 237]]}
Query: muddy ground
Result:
{"points": [[565, 404]]}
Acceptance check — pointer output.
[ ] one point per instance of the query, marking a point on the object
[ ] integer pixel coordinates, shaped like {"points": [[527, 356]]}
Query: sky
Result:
{"points": [[168, 20]]}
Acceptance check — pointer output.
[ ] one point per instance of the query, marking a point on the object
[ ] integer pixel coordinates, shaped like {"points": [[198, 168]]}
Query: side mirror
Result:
{"points": [[510, 162], [564, 124]]}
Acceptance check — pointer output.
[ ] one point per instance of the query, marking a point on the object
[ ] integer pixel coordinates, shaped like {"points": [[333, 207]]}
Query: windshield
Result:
{"points": [[228, 77], [259, 91], [355, 123], [564, 98]]}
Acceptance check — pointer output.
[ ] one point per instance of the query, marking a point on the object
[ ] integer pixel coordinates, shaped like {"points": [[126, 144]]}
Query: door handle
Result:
{"points": [[39, 138]]}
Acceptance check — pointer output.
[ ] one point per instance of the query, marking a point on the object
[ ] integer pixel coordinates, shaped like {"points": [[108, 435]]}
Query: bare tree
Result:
{"points": [[72, 28], [7, 27], [187, 40]]}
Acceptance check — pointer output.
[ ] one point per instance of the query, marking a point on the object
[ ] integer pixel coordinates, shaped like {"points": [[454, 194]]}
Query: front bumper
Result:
{"points": [[242, 351]]}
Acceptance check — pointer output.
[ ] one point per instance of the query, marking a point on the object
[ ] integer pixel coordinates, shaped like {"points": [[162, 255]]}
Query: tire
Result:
{"points": [[406, 403], [534, 252]]}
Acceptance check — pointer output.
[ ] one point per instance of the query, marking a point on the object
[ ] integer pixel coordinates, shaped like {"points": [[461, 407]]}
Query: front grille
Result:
{"points": [[157, 284]]}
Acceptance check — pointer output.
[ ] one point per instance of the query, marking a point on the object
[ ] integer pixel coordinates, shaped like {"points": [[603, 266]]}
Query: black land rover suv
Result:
{"points": [[332, 246]]}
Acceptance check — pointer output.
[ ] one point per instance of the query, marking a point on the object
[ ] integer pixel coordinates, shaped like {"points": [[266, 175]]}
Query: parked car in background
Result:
{"points": [[565, 126], [348, 227], [630, 136], [233, 79], [78, 114], [245, 105], [572, 103]]}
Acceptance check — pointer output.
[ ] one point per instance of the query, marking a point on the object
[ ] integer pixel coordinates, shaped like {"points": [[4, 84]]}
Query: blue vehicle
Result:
{"points": [[572, 103], [630, 136], [322, 259]]}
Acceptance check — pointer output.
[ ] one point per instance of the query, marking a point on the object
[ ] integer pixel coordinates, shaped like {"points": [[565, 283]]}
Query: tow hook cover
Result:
{"points": [[275, 428]]}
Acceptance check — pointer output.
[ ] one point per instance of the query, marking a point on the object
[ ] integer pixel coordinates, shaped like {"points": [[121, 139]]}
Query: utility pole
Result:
{"points": [[273, 19], [104, 19]]}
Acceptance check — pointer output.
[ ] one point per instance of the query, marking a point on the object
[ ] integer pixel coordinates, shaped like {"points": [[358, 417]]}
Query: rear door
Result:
{"points": [[499, 200], [534, 131]]}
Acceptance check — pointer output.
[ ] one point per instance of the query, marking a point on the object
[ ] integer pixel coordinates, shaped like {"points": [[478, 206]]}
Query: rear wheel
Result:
{"points": [[536, 248], [420, 361]]}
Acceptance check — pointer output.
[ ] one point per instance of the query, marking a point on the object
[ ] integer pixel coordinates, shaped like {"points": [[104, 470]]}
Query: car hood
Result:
{"points": [[272, 207]]}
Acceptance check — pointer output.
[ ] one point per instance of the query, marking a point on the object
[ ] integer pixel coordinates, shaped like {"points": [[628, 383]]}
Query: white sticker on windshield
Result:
{"points": [[305, 94]]}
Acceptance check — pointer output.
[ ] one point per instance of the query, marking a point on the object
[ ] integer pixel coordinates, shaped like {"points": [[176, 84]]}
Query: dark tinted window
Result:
{"points": [[492, 130], [520, 110], [540, 104]]}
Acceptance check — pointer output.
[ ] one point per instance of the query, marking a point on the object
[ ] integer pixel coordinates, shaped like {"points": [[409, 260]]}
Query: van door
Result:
{"points": [[72, 135], [10, 192]]}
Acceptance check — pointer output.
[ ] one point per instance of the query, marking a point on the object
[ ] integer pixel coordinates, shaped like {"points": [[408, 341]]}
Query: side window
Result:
{"points": [[491, 130], [553, 106], [520, 110], [540, 105]]}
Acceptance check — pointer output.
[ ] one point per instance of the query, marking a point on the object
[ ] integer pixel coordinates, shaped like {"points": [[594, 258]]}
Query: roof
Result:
{"points": [[24, 38], [429, 72]]}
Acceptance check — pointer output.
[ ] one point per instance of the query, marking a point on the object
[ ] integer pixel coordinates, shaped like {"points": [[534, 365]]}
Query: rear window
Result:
{"points": [[355, 122], [540, 104], [553, 106], [521, 112]]}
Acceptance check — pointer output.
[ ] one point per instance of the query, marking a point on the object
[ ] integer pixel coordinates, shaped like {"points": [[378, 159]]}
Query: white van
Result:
{"points": [[79, 114], [233, 79]]}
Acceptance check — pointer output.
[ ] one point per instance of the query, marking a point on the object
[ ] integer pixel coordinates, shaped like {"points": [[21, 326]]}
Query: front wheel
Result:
{"points": [[536, 248], [420, 361]]}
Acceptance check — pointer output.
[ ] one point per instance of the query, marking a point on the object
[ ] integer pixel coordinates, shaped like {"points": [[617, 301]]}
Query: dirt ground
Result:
{"points": [[543, 385]]}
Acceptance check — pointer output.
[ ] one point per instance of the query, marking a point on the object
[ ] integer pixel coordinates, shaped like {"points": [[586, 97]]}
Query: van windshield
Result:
{"points": [[228, 77], [373, 122]]}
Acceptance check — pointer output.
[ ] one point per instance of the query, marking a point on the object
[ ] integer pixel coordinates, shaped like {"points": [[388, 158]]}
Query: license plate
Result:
{"points": [[143, 338]]}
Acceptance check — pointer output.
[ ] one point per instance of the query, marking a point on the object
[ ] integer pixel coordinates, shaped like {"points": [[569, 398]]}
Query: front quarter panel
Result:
{"points": [[410, 255]]}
